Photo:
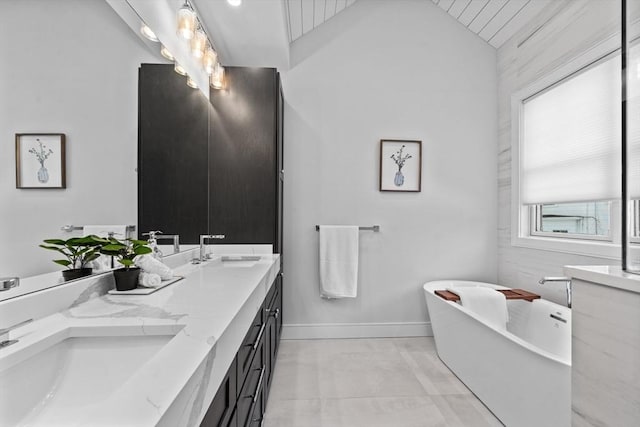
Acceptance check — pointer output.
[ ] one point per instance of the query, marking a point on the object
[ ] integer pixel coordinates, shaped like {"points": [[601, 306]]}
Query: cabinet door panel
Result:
{"points": [[251, 393], [242, 159], [250, 345], [172, 154]]}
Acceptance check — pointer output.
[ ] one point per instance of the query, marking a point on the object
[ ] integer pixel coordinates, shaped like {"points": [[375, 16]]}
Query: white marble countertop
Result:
{"points": [[606, 275], [211, 310]]}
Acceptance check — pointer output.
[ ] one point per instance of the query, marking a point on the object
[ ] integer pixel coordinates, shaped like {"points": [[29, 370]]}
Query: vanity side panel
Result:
{"points": [[605, 376]]}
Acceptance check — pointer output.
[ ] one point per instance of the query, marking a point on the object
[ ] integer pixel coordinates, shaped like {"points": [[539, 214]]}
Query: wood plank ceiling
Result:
{"points": [[305, 15], [495, 21]]}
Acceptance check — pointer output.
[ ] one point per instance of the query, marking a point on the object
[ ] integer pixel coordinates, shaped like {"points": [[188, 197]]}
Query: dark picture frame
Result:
{"points": [[400, 165], [41, 161]]}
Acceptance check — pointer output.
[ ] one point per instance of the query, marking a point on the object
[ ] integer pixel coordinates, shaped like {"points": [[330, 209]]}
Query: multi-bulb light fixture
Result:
{"points": [[191, 29]]}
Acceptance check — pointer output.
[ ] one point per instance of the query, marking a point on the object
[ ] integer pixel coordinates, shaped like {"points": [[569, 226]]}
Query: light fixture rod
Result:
{"points": [[203, 27]]}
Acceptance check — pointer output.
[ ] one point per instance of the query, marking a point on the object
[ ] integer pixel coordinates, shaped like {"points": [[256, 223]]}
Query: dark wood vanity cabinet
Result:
{"points": [[221, 411], [273, 312], [241, 399], [215, 166], [211, 166]]}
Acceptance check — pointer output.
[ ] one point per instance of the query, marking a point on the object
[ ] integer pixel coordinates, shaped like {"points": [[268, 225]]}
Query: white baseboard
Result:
{"points": [[356, 330]]}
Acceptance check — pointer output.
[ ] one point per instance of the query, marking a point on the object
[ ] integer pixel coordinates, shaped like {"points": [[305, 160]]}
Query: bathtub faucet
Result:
{"points": [[566, 280]]}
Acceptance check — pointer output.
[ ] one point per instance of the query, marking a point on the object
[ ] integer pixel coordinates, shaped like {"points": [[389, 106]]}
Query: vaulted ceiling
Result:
{"points": [[262, 32], [305, 15], [495, 21]]}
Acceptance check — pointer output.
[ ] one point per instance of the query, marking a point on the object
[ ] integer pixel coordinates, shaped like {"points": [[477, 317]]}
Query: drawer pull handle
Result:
{"points": [[255, 395], [276, 313], [255, 344]]}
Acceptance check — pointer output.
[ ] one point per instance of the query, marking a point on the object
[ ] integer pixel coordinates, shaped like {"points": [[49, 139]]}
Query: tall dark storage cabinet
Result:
{"points": [[216, 167], [245, 151], [211, 167], [173, 146]]}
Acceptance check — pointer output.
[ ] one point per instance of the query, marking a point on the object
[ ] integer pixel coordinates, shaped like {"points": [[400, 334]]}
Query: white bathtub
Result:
{"points": [[522, 374]]}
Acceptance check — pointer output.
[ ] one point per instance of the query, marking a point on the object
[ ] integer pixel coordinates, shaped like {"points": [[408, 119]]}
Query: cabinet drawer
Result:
{"points": [[220, 411], [271, 294], [251, 392], [274, 303], [249, 347], [255, 420]]}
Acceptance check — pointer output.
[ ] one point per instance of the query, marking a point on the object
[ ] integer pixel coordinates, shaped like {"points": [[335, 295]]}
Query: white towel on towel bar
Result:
{"points": [[338, 261], [487, 303]]}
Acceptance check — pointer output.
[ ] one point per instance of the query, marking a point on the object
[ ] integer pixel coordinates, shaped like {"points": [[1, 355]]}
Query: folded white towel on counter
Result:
{"points": [[119, 231], [487, 303], [149, 264], [149, 280], [339, 261]]}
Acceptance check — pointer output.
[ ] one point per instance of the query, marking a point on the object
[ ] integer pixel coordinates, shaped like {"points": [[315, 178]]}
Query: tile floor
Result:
{"points": [[381, 382]]}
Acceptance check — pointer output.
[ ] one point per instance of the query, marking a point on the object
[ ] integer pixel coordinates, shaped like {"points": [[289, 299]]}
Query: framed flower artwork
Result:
{"points": [[40, 160], [400, 165]]}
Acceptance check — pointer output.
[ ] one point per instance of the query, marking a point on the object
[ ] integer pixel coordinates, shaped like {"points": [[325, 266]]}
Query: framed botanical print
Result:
{"points": [[40, 160], [400, 165]]}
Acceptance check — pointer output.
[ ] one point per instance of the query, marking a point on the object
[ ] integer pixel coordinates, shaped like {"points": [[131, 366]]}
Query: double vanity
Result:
{"points": [[198, 352]]}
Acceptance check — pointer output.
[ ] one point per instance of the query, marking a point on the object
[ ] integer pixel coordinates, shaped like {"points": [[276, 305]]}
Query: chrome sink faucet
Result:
{"points": [[4, 333], [566, 280], [205, 237], [154, 236], [7, 283]]}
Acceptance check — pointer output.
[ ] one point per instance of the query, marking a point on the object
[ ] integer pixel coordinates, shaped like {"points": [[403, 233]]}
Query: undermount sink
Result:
{"points": [[70, 373], [234, 261]]}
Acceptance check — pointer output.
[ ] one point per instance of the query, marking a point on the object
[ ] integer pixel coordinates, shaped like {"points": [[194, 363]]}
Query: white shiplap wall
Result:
{"points": [[305, 15], [565, 30], [495, 21]]}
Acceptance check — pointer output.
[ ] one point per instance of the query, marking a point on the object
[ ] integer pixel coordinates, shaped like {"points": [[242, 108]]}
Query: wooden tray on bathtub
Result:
{"points": [[509, 293]]}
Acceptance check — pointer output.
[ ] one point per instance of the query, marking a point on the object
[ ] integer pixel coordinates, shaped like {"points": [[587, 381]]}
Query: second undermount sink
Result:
{"points": [[70, 374]]}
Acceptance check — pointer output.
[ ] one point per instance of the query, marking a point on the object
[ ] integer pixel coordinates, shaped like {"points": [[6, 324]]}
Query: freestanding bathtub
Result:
{"points": [[522, 374]]}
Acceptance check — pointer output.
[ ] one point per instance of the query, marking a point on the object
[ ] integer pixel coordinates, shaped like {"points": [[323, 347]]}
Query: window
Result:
{"points": [[566, 155], [587, 220], [570, 151], [566, 158]]}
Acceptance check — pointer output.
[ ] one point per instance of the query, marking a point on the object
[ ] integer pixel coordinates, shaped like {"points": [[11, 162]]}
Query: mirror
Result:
{"points": [[73, 72]]}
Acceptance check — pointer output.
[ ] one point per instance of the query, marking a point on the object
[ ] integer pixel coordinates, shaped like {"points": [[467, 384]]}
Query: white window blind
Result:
{"points": [[633, 123], [570, 146]]}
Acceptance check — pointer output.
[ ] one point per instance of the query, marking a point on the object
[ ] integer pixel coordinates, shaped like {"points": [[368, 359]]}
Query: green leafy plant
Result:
{"points": [[78, 251], [125, 251]]}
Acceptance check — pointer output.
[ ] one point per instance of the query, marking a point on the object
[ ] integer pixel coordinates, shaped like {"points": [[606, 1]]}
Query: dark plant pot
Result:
{"points": [[76, 273], [126, 279]]}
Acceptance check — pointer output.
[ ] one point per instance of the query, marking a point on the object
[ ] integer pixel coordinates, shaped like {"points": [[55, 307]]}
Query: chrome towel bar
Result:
{"points": [[69, 228], [374, 228]]}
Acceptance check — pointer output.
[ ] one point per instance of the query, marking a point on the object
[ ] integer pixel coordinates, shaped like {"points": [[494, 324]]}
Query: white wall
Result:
{"points": [[68, 66], [384, 70], [569, 28]]}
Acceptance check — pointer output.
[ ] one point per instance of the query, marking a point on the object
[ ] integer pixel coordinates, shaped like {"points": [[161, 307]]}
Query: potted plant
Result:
{"points": [[125, 252], [78, 251]]}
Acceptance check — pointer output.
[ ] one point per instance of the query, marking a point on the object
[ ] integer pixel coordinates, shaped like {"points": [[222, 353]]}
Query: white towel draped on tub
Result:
{"points": [[487, 303], [338, 261]]}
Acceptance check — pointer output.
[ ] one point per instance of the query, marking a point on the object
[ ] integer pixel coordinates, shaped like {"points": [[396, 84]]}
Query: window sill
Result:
{"points": [[591, 248]]}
